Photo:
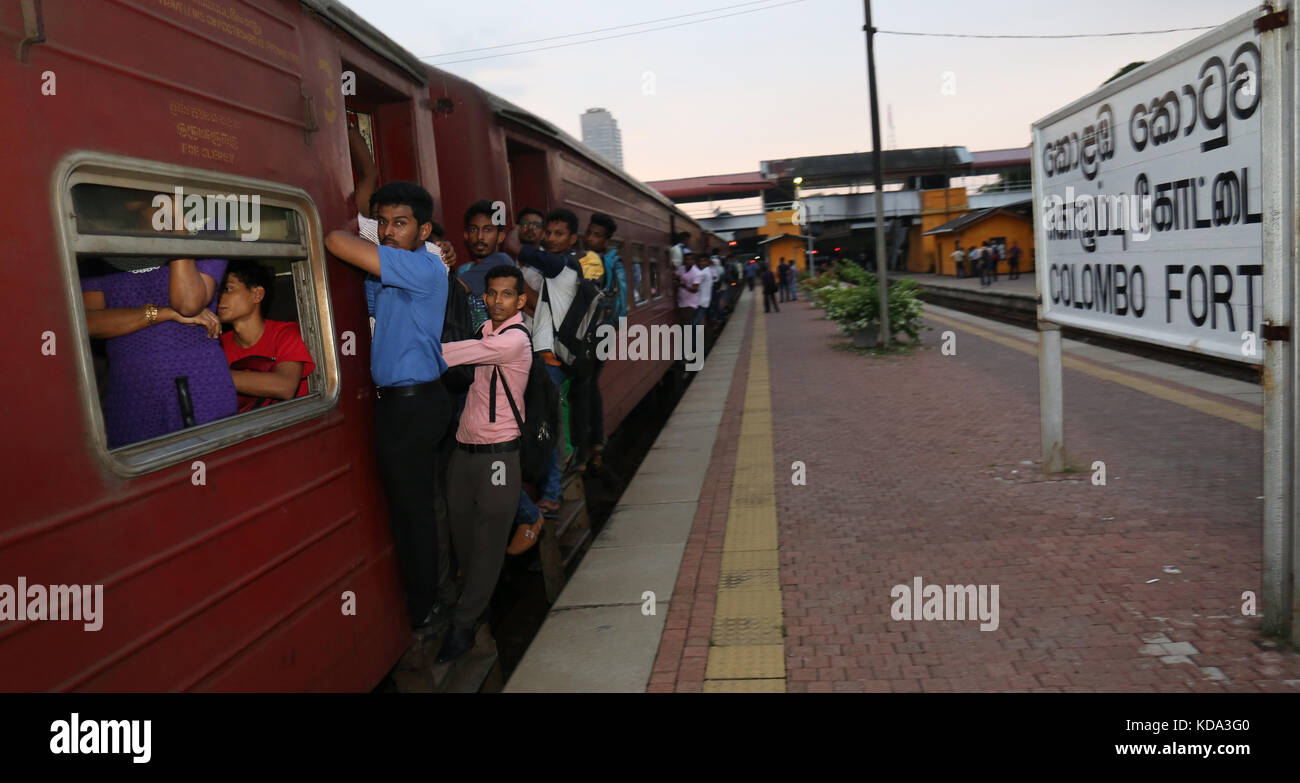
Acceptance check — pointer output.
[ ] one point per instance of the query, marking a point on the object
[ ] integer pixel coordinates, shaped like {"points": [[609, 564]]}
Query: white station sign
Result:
{"points": [[1148, 202]]}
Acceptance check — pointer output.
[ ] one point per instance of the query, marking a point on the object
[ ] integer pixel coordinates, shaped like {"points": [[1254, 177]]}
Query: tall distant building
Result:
{"points": [[600, 133]]}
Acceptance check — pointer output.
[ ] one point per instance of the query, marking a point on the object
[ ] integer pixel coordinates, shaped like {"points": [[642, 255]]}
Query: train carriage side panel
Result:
{"points": [[471, 148], [233, 582]]}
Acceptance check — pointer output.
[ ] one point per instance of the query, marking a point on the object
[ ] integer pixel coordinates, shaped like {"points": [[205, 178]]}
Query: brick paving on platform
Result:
{"points": [[927, 466], [684, 648]]}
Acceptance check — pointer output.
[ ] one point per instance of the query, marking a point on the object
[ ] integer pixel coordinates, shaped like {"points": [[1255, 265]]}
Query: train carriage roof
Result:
{"points": [[504, 108], [343, 17]]}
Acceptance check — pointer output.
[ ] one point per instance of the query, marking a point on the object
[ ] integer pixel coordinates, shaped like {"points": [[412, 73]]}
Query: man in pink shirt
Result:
{"points": [[483, 479]]}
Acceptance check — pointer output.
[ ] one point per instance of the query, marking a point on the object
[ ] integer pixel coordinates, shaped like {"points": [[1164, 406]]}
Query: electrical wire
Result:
{"points": [[1063, 35], [597, 30], [609, 37]]}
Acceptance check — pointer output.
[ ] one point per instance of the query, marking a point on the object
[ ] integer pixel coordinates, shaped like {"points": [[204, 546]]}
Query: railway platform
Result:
{"points": [[802, 491]]}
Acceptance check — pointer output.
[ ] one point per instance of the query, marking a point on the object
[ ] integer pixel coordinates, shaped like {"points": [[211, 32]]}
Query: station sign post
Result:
{"points": [[1163, 216]]}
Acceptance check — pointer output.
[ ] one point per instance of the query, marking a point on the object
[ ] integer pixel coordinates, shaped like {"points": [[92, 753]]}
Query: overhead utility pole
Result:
{"points": [[878, 176]]}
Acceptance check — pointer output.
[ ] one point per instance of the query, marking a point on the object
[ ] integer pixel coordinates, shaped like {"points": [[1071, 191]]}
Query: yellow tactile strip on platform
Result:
{"points": [[746, 662], [747, 652], [744, 686]]}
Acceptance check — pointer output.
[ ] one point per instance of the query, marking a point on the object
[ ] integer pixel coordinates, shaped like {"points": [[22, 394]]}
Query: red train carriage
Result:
{"points": [[227, 551]]}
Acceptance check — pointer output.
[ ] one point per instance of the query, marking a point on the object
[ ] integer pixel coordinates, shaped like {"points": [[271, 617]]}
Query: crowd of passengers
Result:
{"points": [[163, 330]]}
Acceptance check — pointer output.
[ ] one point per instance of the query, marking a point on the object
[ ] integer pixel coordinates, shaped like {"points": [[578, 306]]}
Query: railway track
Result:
{"points": [[1021, 311]]}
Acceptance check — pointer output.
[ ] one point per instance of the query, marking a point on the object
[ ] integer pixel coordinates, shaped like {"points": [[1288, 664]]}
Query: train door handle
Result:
{"points": [[310, 125], [33, 28]]}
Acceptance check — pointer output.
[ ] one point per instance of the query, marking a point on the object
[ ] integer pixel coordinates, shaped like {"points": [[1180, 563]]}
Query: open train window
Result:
{"points": [[199, 304], [636, 262], [654, 273]]}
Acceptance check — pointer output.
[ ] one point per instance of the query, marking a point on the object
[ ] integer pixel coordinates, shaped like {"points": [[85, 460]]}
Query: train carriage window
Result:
{"points": [[636, 262], [654, 273], [200, 305]]}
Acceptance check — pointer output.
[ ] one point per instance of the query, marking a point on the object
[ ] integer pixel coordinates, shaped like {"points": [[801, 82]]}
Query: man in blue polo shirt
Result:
{"points": [[412, 409]]}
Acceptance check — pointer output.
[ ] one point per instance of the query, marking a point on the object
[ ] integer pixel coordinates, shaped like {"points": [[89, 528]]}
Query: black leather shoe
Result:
{"points": [[436, 621], [459, 642]]}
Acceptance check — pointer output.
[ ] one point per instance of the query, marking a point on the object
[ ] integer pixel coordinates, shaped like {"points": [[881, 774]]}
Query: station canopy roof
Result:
{"points": [[713, 187], [1019, 209], [853, 167]]}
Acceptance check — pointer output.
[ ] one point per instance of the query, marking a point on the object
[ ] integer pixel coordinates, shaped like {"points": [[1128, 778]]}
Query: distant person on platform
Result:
{"points": [[959, 260], [751, 271], [979, 262], [793, 270], [769, 290], [783, 280], [1013, 260], [994, 255]]}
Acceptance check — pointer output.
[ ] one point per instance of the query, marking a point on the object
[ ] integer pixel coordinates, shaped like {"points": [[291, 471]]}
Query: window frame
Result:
{"points": [[311, 293], [636, 252], [655, 292]]}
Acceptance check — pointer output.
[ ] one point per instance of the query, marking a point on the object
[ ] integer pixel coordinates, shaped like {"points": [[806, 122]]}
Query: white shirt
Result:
{"points": [[688, 275], [368, 228], [675, 256], [560, 290], [705, 293]]}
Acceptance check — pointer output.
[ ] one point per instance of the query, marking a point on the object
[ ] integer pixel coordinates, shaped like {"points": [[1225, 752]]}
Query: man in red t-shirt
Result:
{"points": [[268, 359]]}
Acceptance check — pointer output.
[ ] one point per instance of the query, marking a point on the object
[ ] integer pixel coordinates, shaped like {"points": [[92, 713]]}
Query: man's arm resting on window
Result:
{"points": [[280, 383]]}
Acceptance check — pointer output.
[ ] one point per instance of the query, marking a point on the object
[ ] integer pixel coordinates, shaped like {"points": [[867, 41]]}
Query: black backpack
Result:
{"points": [[457, 324], [575, 336], [539, 430]]}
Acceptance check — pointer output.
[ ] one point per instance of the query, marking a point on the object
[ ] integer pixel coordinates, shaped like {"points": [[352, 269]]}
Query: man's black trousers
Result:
{"points": [[407, 431]]}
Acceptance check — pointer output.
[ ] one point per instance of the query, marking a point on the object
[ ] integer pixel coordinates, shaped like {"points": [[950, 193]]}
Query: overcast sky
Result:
{"points": [[789, 79]]}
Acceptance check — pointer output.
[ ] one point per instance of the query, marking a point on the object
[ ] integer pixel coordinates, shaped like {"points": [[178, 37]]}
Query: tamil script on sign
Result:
{"points": [[1149, 200]]}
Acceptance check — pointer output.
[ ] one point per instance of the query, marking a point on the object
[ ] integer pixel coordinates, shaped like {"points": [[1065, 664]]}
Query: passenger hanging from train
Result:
{"points": [[412, 408], [367, 179], [531, 224], [687, 279], [677, 253], [166, 370], [704, 292], [482, 240], [552, 275], [484, 476], [589, 427], [268, 360], [718, 299]]}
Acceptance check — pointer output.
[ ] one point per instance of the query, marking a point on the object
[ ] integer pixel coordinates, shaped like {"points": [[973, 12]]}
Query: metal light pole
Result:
{"points": [[878, 177]]}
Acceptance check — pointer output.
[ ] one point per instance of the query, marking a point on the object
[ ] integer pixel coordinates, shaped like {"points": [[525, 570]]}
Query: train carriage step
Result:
{"points": [[477, 670]]}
